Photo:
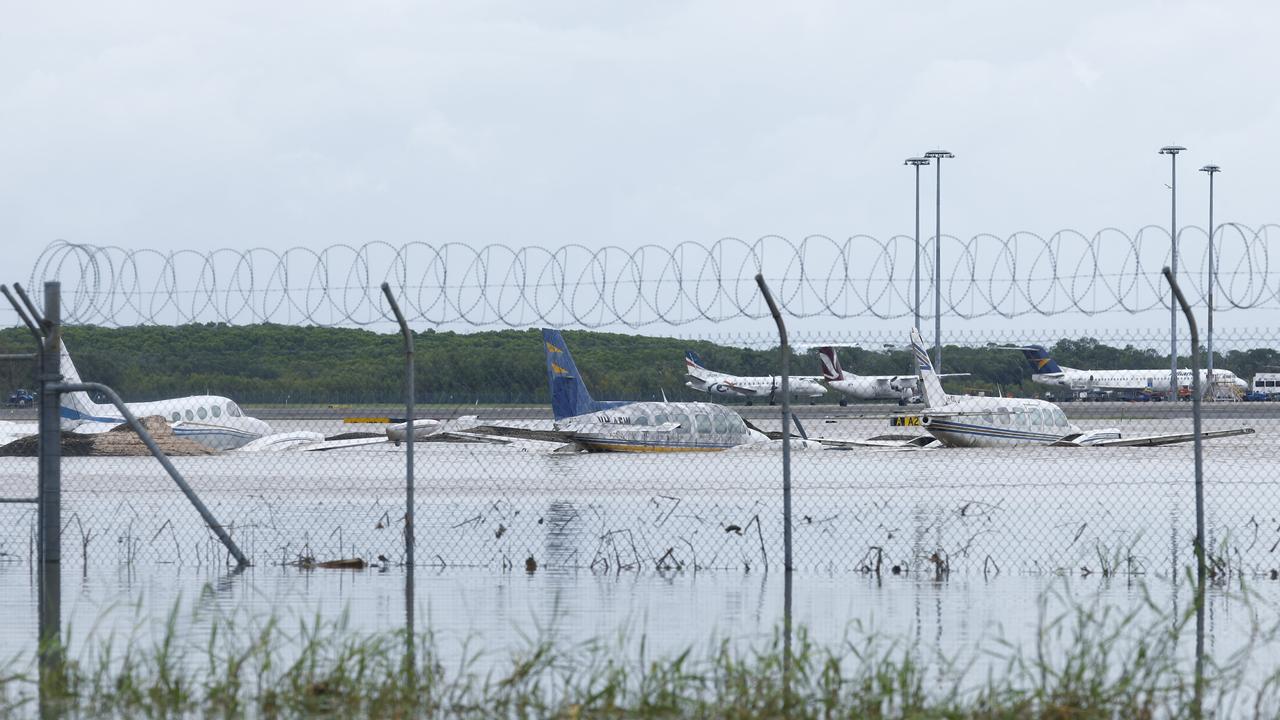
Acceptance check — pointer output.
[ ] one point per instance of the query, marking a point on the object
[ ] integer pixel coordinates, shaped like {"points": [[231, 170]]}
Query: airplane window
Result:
{"points": [[1036, 418], [189, 415], [986, 420], [233, 410], [722, 424], [704, 423], [659, 419], [201, 412], [684, 423], [176, 417], [641, 420], [1003, 415], [217, 411]]}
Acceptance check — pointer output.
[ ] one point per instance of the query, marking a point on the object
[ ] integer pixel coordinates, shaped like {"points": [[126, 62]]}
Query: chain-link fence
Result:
{"points": [[501, 484]]}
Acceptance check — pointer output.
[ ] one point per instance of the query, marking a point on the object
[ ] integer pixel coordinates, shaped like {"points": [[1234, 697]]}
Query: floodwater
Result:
{"points": [[679, 550]]}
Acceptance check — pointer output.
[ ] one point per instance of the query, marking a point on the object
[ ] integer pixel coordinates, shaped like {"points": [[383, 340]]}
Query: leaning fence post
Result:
{"points": [[1199, 470], [408, 477], [786, 489]]}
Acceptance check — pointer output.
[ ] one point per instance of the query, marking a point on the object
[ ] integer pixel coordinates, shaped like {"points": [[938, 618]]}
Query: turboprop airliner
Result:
{"points": [[211, 420], [903, 388], [634, 426], [1046, 371], [711, 382], [973, 421]]}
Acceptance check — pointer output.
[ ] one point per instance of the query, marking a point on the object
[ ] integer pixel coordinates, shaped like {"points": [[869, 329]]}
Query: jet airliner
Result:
{"points": [[1046, 371]]}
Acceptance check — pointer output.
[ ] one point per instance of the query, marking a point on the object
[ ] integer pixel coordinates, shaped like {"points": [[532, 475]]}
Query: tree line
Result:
{"points": [[270, 363]]}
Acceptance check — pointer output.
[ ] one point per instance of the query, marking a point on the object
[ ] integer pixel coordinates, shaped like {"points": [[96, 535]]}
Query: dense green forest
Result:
{"points": [[279, 363]]}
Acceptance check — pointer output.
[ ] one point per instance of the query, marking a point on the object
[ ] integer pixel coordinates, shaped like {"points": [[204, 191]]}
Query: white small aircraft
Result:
{"points": [[211, 420], [1046, 371], [979, 421], [903, 388], [625, 426], [711, 382]]}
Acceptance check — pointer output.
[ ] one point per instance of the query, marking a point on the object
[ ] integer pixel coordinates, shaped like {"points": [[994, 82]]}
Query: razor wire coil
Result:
{"points": [[1067, 272]]}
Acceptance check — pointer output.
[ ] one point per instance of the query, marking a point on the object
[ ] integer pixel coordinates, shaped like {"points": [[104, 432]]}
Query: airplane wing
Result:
{"points": [[900, 442], [1157, 440]]}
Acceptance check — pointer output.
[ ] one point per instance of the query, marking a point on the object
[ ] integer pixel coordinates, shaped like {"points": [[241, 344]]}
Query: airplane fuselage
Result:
{"points": [[968, 421], [764, 386], [875, 387], [1156, 381], [630, 428], [211, 420]]}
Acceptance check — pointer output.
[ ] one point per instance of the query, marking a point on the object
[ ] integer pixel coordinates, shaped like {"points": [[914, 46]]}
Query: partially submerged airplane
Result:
{"points": [[634, 426], [711, 382], [211, 420], [903, 388], [980, 421], [1046, 371]]}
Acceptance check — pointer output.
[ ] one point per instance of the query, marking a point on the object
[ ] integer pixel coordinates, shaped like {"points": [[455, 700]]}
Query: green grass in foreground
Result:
{"points": [[1089, 662]]}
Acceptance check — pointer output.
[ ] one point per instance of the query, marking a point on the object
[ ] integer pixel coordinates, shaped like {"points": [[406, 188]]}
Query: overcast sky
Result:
{"points": [[178, 125]]}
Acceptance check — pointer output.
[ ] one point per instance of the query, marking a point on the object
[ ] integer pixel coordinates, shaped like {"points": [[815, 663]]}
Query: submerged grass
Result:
{"points": [[1089, 661]]}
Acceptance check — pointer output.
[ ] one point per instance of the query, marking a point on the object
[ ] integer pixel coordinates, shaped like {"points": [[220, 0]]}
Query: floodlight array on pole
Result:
{"points": [[938, 156], [1172, 151]]}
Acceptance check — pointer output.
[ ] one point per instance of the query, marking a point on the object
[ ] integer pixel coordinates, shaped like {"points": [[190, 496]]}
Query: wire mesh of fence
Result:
{"points": [[502, 483]]}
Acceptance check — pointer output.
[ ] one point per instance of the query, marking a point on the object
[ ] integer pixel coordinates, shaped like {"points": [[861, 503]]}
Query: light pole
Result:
{"points": [[937, 155], [1172, 151], [1210, 170], [917, 162]]}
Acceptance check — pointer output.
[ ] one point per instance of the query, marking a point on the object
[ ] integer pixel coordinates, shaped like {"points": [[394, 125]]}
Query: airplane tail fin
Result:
{"points": [[569, 396], [930, 386], [691, 360], [1038, 357], [76, 406], [830, 363]]}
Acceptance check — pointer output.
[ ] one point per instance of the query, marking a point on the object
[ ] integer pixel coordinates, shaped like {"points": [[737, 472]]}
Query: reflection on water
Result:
{"points": [[669, 612]]}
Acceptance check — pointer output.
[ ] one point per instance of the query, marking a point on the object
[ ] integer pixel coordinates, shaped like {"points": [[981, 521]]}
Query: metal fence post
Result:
{"points": [[49, 545], [49, 494], [408, 478], [786, 490], [1199, 470]]}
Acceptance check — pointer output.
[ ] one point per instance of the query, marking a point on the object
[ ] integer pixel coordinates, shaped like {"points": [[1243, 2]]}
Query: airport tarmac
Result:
{"points": [[1074, 410]]}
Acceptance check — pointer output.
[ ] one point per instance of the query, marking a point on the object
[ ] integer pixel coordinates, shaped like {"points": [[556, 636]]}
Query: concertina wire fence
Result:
{"points": [[501, 503]]}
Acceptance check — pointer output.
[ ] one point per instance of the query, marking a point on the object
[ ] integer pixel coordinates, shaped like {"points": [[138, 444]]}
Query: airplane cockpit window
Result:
{"points": [[1060, 418], [233, 410], [640, 420], [202, 413], [1003, 414], [722, 424], [703, 422], [216, 410], [659, 419]]}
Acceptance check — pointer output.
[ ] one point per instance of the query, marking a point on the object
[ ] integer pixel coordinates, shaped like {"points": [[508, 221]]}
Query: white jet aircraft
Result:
{"points": [[762, 386], [211, 420], [903, 388], [1046, 371], [979, 421]]}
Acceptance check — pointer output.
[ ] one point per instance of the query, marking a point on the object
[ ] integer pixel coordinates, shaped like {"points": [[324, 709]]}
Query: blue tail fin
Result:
{"points": [[569, 396], [691, 358], [1039, 360]]}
